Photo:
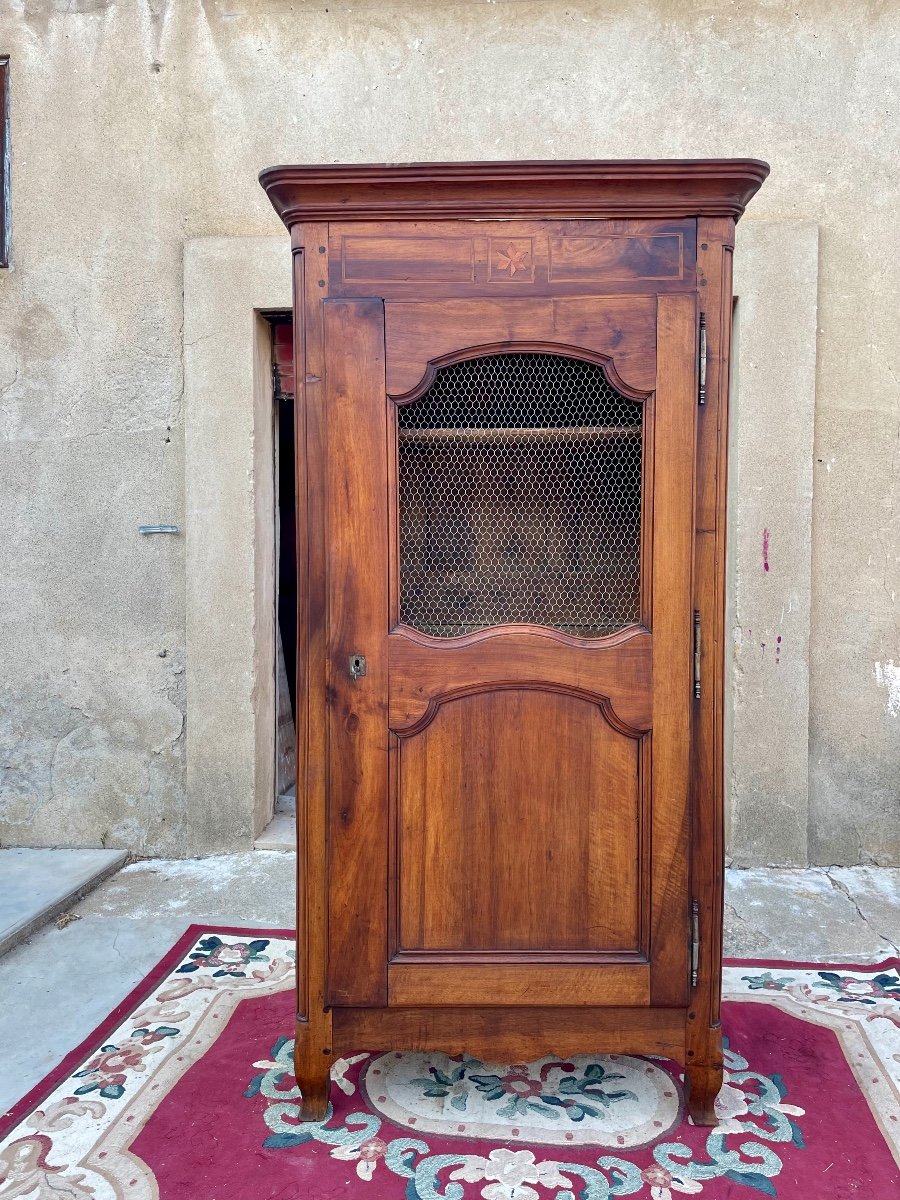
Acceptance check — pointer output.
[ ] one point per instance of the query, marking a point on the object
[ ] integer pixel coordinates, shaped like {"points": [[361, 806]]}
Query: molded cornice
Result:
{"points": [[718, 187]]}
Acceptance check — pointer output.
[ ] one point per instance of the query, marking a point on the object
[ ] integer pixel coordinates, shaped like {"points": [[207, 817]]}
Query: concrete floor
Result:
{"points": [[57, 986]]}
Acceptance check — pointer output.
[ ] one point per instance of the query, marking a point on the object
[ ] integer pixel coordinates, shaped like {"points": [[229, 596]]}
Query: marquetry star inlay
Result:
{"points": [[515, 259]]}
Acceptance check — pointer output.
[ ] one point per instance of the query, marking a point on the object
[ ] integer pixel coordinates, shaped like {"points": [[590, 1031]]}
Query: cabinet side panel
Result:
{"points": [[313, 1042], [715, 250], [301, 790], [310, 269]]}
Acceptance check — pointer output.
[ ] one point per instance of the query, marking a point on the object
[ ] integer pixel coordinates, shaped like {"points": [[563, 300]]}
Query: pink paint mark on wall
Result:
{"points": [[765, 549]]}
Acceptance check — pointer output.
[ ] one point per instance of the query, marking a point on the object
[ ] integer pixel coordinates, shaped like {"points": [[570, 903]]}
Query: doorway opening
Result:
{"points": [[285, 569]]}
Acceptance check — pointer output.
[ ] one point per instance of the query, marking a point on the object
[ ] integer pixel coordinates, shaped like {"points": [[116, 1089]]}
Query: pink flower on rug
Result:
{"points": [[519, 1081], [513, 1171], [731, 1103], [861, 987], [366, 1155], [107, 1071], [663, 1183], [113, 1062], [766, 982], [883, 986], [229, 957], [149, 1038]]}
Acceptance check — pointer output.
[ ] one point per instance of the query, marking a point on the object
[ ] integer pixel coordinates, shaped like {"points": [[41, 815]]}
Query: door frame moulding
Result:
{"points": [[229, 504], [230, 536], [769, 570]]}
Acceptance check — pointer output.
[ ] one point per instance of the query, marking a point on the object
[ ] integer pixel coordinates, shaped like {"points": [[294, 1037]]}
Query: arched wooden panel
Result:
{"points": [[622, 329], [487, 864], [616, 670]]}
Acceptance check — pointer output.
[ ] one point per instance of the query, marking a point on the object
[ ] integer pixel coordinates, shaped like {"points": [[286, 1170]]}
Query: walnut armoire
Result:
{"points": [[512, 399]]}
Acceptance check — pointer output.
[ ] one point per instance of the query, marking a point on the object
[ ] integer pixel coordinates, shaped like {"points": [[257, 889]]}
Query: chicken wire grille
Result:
{"points": [[520, 498]]}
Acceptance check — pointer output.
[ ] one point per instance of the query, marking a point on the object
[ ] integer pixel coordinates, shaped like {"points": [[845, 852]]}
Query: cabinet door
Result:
{"points": [[510, 514]]}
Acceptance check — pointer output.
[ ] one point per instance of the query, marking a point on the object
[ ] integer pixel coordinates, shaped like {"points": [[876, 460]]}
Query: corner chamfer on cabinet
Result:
{"points": [[715, 250], [558, 338]]}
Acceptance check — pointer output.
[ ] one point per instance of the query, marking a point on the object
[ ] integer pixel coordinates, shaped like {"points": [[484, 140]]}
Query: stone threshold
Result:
{"points": [[37, 885], [281, 832]]}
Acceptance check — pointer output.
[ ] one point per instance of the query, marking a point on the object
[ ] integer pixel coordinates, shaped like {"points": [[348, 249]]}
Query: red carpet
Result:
{"points": [[186, 1091]]}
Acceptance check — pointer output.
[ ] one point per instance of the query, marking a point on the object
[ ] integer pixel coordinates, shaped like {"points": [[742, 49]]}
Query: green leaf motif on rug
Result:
{"points": [[754, 1115], [228, 958], [753, 1180], [767, 982], [855, 989], [108, 1072]]}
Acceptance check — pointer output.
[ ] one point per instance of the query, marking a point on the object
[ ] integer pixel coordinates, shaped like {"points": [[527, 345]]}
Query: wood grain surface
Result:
{"points": [[574, 885], [497, 1034], [616, 331], [356, 531]]}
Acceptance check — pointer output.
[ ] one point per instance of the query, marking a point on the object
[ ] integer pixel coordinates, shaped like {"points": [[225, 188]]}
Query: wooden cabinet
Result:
{"points": [[512, 414]]}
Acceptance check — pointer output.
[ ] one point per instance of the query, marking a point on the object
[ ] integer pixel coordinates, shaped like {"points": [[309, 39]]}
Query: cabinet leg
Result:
{"points": [[704, 1080], [312, 1067]]}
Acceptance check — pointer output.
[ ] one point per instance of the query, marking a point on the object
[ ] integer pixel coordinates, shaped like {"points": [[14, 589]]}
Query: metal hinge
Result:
{"points": [[695, 941], [701, 392], [696, 654]]}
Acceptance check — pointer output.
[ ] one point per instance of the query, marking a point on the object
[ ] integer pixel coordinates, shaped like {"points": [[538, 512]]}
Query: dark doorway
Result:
{"points": [[285, 537], [286, 567]]}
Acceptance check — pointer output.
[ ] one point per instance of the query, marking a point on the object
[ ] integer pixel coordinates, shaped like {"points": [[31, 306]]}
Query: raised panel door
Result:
{"points": [[509, 522]]}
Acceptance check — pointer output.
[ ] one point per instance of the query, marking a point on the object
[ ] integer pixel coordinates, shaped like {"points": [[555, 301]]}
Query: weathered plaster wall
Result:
{"points": [[770, 486], [139, 125]]}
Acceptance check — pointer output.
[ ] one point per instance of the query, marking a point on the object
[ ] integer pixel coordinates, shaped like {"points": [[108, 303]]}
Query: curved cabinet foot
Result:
{"points": [[703, 1086], [312, 1068]]}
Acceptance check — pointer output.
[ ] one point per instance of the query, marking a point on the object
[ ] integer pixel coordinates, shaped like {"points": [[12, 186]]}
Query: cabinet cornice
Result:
{"points": [[504, 190]]}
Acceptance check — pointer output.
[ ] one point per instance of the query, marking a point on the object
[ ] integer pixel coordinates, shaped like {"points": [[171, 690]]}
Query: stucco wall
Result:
{"points": [[139, 126]]}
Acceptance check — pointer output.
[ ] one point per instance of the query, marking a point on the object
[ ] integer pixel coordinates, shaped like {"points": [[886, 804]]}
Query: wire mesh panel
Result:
{"points": [[520, 498]]}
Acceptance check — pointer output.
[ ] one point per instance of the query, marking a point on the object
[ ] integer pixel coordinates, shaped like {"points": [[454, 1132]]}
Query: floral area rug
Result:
{"points": [[186, 1092]]}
